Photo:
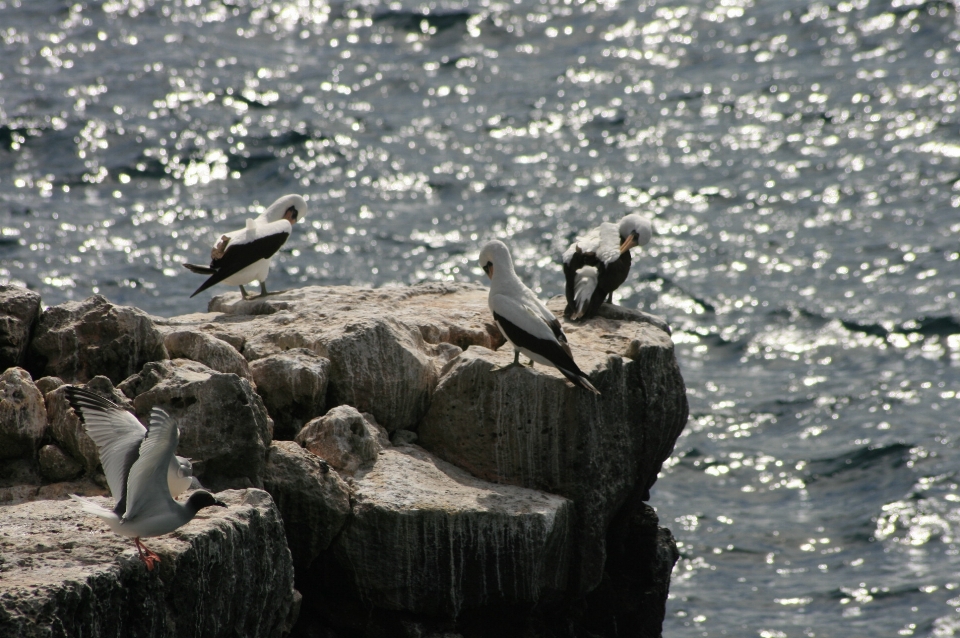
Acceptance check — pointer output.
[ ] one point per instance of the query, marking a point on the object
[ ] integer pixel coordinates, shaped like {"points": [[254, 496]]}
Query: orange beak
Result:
{"points": [[628, 243]]}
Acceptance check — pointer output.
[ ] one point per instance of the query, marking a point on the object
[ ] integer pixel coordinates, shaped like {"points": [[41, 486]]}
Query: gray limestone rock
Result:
{"points": [[224, 426], [529, 427], [313, 500], [23, 415], [344, 438], [208, 350], [293, 386], [226, 573], [56, 465], [426, 537], [19, 313], [78, 340]]}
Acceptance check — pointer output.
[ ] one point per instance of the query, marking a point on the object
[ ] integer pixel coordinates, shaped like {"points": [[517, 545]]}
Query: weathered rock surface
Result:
{"points": [[427, 537], [79, 340], [385, 348], [23, 415], [344, 438], [56, 465], [313, 498], [208, 350], [226, 573], [224, 426], [529, 427], [293, 386], [19, 313]]}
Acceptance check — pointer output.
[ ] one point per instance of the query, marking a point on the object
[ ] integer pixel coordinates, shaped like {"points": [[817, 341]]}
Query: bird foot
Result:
{"points": [[148, 556]]}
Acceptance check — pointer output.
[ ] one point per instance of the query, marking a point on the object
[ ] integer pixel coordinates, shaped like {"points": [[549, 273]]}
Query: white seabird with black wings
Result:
{"points": [[138, 463], [598, 263], [245, 255], [524, 321]]}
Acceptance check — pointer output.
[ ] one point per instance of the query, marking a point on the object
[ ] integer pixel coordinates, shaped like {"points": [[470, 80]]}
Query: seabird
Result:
{"points": [[245, 255], [138, 463], [598, 262], [525, 322]]}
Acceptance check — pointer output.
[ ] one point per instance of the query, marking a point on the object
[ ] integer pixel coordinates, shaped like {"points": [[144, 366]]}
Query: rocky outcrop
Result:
{"points": [[344, 438], [314, 499], [293, 385], [528, 426], [427, 537], [79, 340], [19, 313], [226, 573], [522, 513], [224, 426]]}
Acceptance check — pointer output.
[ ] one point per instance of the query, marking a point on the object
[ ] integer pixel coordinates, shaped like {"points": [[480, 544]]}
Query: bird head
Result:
{"points": [[288, 207], [635, 230], [202, 498], [495, 256]]}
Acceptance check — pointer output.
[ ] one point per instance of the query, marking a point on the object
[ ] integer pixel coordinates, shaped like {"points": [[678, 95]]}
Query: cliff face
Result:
{"points": [[424, 492]]}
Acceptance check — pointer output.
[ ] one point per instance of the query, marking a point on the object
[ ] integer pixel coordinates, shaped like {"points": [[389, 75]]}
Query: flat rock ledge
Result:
{"points": [[226, 573], [411, 489]]}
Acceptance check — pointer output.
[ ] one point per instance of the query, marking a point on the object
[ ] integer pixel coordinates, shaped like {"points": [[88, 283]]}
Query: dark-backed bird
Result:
{"points": [[137, 462], [524, 321], [245, 255], [598, 262]]}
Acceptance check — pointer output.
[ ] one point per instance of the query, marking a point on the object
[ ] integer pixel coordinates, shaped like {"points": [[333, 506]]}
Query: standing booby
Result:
{"points": [[137, 463], [598, 262], [524, 321], [245, 255]]}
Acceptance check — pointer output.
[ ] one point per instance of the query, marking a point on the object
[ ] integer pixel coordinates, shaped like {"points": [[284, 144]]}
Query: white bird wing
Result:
{"points": [[116, 432], [588, 243], [608, 249], [528, 318], [147, 487]]}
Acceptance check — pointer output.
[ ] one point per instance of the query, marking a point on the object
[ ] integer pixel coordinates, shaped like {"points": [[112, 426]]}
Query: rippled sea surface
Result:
{"points": [[801, 161]]}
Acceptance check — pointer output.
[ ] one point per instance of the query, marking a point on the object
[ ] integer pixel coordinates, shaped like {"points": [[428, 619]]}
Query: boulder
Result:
{"points": [[19, 313], [212, 352], [56, 465], [23, 415], [224, 426], [78, 340], [68, 431], [293, 386], [529, 427], [344, 438], [226, 573], [313, 501], [428, 538]]}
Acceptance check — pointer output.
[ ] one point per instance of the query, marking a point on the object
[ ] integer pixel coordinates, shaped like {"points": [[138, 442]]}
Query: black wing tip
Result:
{"points": [[82, 398], [200, 270]]}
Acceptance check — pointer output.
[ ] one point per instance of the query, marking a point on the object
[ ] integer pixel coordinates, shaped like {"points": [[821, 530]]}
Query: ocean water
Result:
{"points": [[801, 161]]}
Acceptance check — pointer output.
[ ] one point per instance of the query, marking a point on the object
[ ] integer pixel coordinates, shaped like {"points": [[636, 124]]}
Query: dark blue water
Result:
{"points": [[801, 161]]}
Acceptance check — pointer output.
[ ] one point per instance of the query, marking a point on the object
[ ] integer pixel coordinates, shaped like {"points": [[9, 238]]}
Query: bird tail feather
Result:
{"points": [[98, 511], [586, 282], [579, 379], [200, 270]]}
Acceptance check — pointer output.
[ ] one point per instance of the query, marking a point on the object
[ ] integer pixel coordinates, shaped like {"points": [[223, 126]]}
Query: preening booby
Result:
{"points": [[245, 255], [139, 464], [525, 322], [598, 262]]}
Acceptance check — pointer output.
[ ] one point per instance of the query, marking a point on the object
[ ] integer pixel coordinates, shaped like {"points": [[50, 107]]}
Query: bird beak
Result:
{"points": [[219, 503], [489, 270], [628, 243]]}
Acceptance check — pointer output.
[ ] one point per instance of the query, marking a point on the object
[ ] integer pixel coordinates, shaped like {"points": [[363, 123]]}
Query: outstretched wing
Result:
{"points": [[147, 485], [246, 248], [116, 432]]}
